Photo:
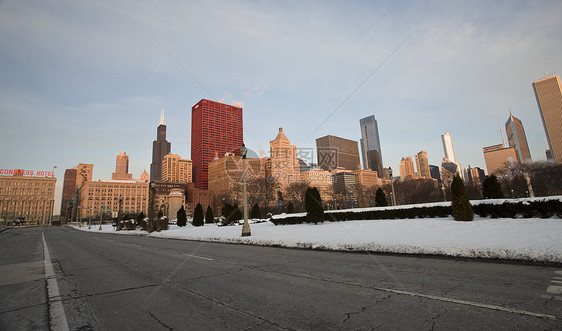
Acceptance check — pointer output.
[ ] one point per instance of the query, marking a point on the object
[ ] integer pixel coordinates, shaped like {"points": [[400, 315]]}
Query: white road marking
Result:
{"points": [[56, 309], [554, 289], [556, 281], [469, 303], [199, 257]]}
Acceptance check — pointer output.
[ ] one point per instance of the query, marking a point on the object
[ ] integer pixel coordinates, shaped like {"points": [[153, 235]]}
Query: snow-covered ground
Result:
{"points": [[531, 239]]}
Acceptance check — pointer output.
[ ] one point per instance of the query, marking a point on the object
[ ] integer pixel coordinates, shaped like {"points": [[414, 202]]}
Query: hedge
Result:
{"points": [[527, 209]]}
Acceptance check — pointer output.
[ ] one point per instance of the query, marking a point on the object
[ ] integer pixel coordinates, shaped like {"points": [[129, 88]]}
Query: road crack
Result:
{"points": [[159, 321]]}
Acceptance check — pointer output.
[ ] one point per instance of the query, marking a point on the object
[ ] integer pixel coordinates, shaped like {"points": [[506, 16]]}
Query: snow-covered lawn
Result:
{"points": [[519, 239]]}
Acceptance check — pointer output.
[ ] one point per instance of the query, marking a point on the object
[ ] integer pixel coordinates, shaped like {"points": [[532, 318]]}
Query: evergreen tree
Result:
{"points": [[380, 198], [140, 218], [160, 214], [236, 215], [198, 215], [256, 212], [491, 188], [209, 216], [460, 204], [182, 217], [290, 208], [313, 205]]}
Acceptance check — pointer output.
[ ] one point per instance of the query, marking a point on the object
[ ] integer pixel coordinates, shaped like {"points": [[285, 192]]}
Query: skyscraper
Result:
{"points": [[122, 167], [407, 169], [422, 164], [548, 92], [334, 152], [517, 138], [370, 144], [283, 164], [160, 147], [216, 128], [176, 169], [448, 147], [68, 190], [498, 157]]}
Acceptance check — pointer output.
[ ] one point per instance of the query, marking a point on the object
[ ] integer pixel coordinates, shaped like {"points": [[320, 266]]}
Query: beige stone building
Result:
{"points": [[27, 198], [407, 171], [103, 195], [497, 157], [122, 167], [422, 164], [84, 173], [225, 174], [321, 179], [283, 164], [176, 169], [367, 178]]}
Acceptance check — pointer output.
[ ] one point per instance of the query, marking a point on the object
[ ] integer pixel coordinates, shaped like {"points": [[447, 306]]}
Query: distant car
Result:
{"points": [[19, 221]]}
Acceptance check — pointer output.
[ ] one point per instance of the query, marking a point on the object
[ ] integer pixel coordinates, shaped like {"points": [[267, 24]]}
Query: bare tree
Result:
{"points": [[295, 192]]}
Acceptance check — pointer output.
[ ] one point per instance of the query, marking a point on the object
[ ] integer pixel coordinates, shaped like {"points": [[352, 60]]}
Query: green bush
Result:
{"points": [[313, 206], [182, 217], [209, 217], [198, 215], [460, 204]]}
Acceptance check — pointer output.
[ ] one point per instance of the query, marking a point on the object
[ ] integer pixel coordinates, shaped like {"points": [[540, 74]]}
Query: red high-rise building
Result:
{"points": [[216, 128]]}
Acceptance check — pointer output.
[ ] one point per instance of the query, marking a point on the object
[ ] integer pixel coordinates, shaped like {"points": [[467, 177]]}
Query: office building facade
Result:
{"points": [[176, 169], [407, 171], [30, 199], [283, 164], [448, 148], [517, 138], [216, 129], [370, 144], [68, 190], [548, 92], [334, 152], [122, 167], [422, 165], [497, 157]]}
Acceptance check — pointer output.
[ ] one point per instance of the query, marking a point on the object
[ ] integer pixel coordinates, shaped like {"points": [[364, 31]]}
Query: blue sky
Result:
{"points": [[81, 81]]}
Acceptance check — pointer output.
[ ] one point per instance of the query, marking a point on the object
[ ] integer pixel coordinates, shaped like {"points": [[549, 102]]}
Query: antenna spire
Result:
{"points": [[162, 117], [501, 133]]}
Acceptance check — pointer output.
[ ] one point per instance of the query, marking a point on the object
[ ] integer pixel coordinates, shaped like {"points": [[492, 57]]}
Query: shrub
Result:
{"points": [[182, 217], [290, 208], [313, 205], [209, 216], [460, 204], [491, 188], [256, 212], [380, 198], [198, 215]]}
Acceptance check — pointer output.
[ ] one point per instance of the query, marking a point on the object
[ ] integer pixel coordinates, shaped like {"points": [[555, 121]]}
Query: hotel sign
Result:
{"points": [[24, 172]]}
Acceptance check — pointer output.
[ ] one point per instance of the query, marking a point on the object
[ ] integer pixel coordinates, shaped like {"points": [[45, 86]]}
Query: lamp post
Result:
{"points": [[101, 215], [90, 221], [246, 227], [351, 197], [117, 228], [392, 185]]}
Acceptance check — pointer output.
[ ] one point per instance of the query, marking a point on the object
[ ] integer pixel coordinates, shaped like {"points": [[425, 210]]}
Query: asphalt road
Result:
{"points": [[118, 282]]}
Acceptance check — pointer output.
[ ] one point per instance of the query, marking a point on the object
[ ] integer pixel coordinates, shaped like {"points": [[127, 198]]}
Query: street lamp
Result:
{"points": [[117, 228], [246, 227], [90, 221], [351, 197], [392, 184], [101, 215]]}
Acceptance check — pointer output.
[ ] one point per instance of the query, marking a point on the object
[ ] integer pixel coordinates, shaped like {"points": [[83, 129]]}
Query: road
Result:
{"points": [[119, 282]]}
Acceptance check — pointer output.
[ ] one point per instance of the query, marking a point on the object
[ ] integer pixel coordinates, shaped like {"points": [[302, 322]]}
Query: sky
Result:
{"points": [[81, 81]]}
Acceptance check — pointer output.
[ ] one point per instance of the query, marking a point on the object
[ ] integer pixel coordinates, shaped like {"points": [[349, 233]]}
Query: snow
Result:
{"points": [[531, 239]]}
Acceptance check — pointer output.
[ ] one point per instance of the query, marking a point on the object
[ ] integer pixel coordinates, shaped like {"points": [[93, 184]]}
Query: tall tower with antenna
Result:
{"points": [[160, 147]]}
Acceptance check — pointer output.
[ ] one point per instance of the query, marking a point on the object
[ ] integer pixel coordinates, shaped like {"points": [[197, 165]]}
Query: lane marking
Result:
{"points": [[554, 289], [556, 281], [57, 315], [199, 257], [468, 303]]}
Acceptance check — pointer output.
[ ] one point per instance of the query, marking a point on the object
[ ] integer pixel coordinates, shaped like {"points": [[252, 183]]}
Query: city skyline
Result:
{"points": [[83, 82]]}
